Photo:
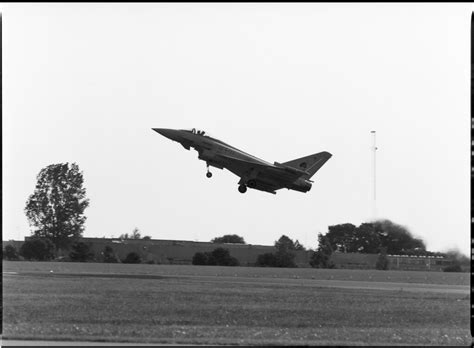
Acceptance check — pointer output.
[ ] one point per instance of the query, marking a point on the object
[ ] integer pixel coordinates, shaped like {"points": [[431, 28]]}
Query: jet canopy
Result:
{"points": [[196, 131]]}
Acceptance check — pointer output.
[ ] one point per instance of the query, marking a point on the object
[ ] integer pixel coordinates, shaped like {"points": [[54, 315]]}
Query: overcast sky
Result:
{"points": [[85, 83]]}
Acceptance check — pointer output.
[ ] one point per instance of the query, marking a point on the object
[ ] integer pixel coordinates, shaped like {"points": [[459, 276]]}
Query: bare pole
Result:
{"points": [[374, 149]]}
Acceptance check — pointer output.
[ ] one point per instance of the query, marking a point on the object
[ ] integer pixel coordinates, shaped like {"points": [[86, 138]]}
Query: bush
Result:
{"points": [[39, 249], [109, 255], [229, 238], [132, 257], [382, 260], [266, 260], [80, 252], [285, 259], [200, 258], [218, 257], [320, 259], [221, 257], [278, 259], [455, 267], [10, 253]]}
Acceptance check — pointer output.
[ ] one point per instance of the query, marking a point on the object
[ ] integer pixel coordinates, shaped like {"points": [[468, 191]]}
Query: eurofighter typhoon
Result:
{"points": [[253, 172]]}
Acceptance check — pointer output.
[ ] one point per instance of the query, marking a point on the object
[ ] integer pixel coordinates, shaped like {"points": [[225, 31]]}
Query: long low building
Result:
{"points": [[162, 251]]}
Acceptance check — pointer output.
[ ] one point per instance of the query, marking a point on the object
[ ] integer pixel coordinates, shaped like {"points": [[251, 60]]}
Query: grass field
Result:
{"points": [[231, 305]]}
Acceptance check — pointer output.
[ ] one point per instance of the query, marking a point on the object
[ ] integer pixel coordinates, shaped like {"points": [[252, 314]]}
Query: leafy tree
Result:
{"points": [[10, 253], [372, 237], [56, 208], [134, 235], [40, 249], [321, 257], [80, 252], [396, 238], [109, 255], [132, 257], [283, 257], [341, 236], [221, 257], [285, 244], [365, 240], [299, 246], [382, 260], [229, 238]]}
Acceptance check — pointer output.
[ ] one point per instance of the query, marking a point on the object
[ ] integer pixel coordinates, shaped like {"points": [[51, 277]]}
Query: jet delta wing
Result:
{"points": [[254, 172]]}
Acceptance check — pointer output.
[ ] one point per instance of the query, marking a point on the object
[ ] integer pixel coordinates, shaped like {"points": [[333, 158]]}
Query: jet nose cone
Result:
{"points": [[162, 131], [172, 134]]}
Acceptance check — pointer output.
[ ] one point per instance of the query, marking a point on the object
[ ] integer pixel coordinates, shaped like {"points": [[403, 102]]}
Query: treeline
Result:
{"points": [[283, 256], [43, 249], [372, 238], [379, 237]]}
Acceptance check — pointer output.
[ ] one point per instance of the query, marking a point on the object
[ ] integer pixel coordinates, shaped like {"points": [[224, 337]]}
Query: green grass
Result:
{"points": [[194, 304]]}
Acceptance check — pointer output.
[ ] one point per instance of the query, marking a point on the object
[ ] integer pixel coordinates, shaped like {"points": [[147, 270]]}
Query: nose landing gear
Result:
{"points": [[242, 188]]}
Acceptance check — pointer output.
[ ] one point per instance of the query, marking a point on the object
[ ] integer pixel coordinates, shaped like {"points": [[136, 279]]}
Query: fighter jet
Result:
{"points": [[254, 173]]}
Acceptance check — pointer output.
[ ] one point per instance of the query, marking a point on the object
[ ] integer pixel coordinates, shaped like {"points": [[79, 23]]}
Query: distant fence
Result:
{"points": [[396, 262]]}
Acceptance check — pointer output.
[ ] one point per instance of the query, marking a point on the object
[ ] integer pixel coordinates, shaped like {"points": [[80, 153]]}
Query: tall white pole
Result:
{"points": [[374, 149]]}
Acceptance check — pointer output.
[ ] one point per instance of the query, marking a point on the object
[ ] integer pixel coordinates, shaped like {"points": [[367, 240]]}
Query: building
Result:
{"points": [[178, 252], [181, 252]]}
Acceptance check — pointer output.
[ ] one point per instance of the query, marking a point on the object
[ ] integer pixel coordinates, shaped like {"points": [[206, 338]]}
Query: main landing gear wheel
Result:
{"points": [[208, 174], [242, 188]]}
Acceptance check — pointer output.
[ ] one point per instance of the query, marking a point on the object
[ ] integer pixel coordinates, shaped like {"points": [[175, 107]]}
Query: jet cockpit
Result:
{"points": [[196, 131]]}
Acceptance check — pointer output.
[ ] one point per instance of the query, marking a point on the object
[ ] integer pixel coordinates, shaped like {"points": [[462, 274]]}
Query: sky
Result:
{"points": [[85, 83]]}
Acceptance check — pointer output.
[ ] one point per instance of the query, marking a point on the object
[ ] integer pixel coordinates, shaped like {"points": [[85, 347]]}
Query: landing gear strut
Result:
{"points": [[242, 188], [208, 174]]}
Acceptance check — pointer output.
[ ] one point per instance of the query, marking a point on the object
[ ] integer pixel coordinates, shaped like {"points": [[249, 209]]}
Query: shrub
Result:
{"points": [[455, 267], [80, 252], [221, 257], [382, 260], [266, 260], [279, 259], [200, 258], [320, 259], [218, 257], [40, 249], [285, 258], [10, 253], [229, 238], [109, 255], [132, 257]]}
